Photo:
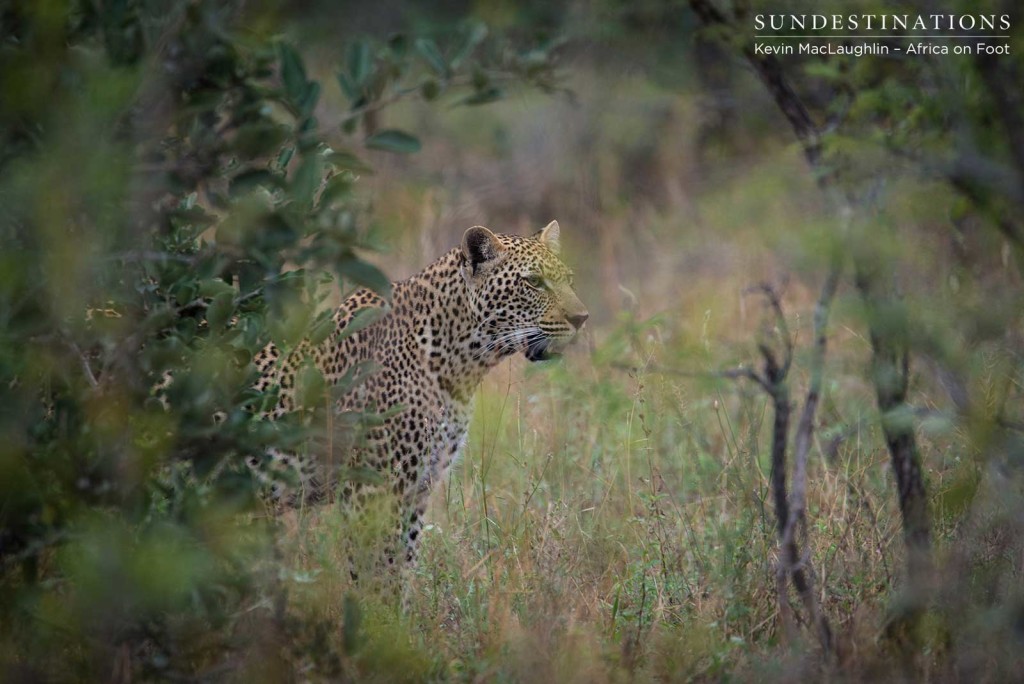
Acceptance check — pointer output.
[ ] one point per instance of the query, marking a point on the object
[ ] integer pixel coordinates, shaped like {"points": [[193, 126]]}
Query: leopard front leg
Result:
{"points": [[413, 473], [412, 530], [450, 442]]}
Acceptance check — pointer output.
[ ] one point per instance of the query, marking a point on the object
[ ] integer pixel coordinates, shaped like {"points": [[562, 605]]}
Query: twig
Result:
{"points": [[801, 448], [89, 375], [373, 106], [789, 511], [805, 429], [770, 71], [775, 303], [891, 358], [402, 93]]}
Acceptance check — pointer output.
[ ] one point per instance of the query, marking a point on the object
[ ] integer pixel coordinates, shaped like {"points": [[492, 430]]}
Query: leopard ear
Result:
{"points": [[480, 246], [550, 237]]}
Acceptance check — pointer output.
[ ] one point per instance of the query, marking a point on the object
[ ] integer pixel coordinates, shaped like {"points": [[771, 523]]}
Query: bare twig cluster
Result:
{"points": [[890, 351], [790, 506]]}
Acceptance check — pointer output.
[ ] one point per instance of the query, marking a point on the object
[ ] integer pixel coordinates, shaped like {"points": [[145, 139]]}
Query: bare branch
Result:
{"points": [[801, 448], [789, 507], [785, 607], [84, 360], [789, 514], [775, 302], [890, 354], [770, 71], [805, 430]]}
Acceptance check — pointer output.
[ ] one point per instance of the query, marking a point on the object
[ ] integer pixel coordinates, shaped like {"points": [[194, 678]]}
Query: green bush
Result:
{"points": [[169, 204]]}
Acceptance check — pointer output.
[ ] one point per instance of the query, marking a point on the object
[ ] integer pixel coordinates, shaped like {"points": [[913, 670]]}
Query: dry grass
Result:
{"points": [[614, 525]]}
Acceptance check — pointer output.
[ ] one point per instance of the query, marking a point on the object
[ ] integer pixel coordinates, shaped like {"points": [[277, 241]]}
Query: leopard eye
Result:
{"points": [[535, 281]]}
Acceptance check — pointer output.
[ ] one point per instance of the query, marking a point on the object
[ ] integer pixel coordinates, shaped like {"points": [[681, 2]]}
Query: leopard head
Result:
{"points": [[522, 291]]}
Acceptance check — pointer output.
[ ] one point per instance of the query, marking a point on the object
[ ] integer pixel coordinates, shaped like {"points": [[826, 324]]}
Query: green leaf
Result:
{"points": [[309, 98], [322, 329], [242, 356], [220, 310], [307, 180], [361, 319], [251, 179], [393, 140], [258, 139], [343, 160], [338, 188], [476, 33], [290, 327], [309, 385], [276, 231], [359, 62], [356, 375], [292, 72], [184, 292], [365, 274], [432, 56], [214, 287], [285, 156], [348, 87]]}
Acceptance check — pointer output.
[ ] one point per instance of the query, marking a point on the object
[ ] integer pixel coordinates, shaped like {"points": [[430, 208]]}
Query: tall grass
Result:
{"points": [[611, 519]]}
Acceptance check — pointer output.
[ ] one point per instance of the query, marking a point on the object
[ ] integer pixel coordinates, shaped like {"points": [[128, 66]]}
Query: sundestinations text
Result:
{"points": [[882, 22]]}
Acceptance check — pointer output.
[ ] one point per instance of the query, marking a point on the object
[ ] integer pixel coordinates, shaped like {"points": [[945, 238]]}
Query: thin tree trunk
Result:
{"points": [[789, 511], [891, 357]]}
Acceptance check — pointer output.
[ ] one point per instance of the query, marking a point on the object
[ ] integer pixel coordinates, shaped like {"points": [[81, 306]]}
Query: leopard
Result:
{"points": [[428, 348]]}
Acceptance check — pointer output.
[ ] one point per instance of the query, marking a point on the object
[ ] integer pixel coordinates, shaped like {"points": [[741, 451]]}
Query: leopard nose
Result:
{"points": [[578, 319]]}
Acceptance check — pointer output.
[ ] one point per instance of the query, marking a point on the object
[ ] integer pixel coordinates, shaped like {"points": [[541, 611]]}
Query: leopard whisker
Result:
{"points": [[517, 335]]}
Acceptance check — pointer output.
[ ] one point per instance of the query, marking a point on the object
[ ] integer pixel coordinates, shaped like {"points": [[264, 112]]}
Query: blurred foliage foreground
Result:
{"points": [[169, 202]]}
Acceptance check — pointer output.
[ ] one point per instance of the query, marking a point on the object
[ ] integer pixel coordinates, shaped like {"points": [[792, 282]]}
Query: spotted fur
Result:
{"points": [[494, 296]]}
